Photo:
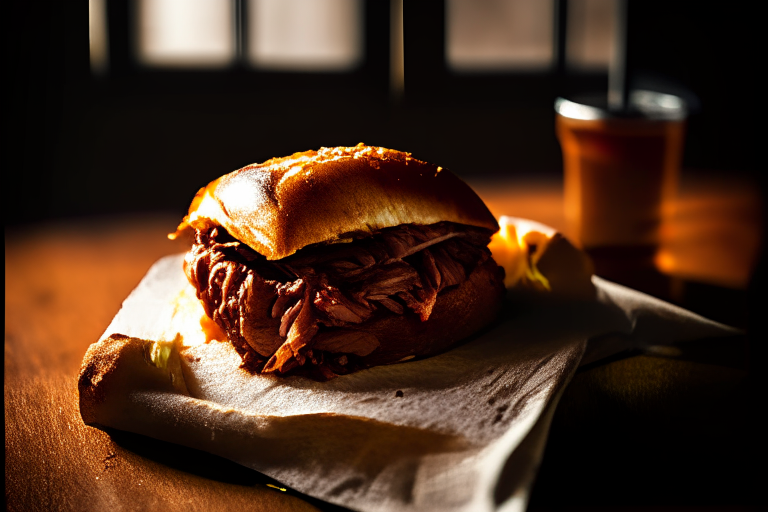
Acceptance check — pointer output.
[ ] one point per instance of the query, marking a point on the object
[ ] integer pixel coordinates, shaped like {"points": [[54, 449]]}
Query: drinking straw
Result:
{"points": [[618, 83], [561, 24]]}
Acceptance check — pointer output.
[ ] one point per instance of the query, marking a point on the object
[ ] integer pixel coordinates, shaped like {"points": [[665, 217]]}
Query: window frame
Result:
{"points": [[430, 81], [370, 77]]}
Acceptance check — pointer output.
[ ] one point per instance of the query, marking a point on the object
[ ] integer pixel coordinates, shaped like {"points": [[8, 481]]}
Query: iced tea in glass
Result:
{"points": [[619, 172]]}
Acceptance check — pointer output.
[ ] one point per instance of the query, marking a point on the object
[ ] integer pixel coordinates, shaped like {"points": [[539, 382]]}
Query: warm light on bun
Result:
{"points": [[413, 275], [285, 204]]}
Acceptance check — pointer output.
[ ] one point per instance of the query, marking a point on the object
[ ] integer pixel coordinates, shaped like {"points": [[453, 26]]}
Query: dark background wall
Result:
{"points": [[136, 140]]}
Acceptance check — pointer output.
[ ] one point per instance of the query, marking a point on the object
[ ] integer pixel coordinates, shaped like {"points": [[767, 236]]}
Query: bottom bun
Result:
{"points": [[458, 314], [388, 338]]}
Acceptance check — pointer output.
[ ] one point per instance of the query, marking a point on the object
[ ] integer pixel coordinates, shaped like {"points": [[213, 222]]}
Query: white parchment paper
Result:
{"points": [[461, 431]]}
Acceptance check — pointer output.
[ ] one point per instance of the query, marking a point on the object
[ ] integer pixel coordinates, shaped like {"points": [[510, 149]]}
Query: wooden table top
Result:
{"points": [[66, 280], [711, 234]]}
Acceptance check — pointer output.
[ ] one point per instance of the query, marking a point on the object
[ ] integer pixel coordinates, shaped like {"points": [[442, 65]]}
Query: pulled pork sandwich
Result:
{"points": [[326, 262]]}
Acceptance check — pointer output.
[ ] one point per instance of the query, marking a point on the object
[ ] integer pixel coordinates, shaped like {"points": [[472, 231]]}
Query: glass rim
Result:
{"points": [[643, 104]]}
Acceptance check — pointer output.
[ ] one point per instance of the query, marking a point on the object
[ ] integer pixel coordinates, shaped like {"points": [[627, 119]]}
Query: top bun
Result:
{"points": [[285, 204]]}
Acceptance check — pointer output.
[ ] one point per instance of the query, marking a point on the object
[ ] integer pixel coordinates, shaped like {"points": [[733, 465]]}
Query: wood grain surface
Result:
{"points": [[65, 281]]}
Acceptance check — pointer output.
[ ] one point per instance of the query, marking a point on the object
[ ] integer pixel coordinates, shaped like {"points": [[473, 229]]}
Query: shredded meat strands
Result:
{"points": [[281, 315]]}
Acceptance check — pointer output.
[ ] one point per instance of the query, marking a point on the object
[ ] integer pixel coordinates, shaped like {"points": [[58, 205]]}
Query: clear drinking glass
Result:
{"points": [[620, 170]]}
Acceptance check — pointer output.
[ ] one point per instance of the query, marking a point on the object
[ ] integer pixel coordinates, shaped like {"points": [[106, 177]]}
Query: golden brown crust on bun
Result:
{"points": [[285, 204]]}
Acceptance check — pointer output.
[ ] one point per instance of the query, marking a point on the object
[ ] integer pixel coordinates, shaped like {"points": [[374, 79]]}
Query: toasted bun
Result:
{"points": [[458, 314], [287, 203]]}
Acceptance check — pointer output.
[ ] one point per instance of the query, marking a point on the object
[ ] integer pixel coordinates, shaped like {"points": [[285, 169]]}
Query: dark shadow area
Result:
{"points": [[648, 431]]}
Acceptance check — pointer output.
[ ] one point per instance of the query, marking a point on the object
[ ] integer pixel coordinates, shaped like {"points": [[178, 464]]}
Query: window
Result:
{"points": [[499, 35], [185, 33], [264, 35], [436, 50], [590, 34], [305, 34]]}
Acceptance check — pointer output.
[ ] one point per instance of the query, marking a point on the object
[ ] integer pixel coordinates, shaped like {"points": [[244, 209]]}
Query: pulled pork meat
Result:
{"points": [[285, 314]]}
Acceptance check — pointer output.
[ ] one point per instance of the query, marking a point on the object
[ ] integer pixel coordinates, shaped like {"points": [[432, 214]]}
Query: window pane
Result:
{"points": [[590, 34], [189, 33], [496, 35], [305, 35]]}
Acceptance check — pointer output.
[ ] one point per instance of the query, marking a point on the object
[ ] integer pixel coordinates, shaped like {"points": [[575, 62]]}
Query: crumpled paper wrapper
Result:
{"points": [[461, 431]]}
